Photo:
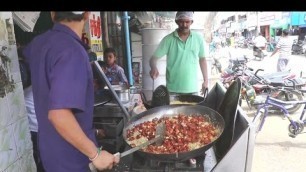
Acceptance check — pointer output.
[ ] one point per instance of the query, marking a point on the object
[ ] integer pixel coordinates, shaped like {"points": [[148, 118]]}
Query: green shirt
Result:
{"points": [[182, 61]]}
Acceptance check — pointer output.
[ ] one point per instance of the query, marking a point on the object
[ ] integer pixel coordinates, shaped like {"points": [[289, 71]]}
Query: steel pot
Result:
{"points": [[123, 92]]}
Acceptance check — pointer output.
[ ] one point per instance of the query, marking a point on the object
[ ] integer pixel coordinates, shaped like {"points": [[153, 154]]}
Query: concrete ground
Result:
{"points": [[274, 150]]}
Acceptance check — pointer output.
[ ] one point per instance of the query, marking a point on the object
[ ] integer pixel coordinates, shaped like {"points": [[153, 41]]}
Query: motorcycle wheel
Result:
{"points": [[245, 97], [290, 96]]}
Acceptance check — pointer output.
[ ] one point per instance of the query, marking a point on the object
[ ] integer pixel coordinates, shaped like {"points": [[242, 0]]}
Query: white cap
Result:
{"points": [[184, 15]]}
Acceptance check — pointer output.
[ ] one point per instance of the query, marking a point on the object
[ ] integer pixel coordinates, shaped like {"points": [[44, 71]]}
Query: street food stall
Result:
{"points": [[232, 151]]}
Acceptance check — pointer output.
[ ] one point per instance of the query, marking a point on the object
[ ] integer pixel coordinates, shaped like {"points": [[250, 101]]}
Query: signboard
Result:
{"points": [[92, 34]]}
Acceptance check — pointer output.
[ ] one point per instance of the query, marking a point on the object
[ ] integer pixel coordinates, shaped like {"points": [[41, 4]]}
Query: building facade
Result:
{"points": [[270, 24]]}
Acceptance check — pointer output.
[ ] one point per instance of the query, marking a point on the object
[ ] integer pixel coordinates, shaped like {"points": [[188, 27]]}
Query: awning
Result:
{"points": [[295, 17]]}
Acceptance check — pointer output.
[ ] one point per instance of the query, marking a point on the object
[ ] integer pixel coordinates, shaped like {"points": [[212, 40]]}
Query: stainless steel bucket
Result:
{"points": [[123, 93]]}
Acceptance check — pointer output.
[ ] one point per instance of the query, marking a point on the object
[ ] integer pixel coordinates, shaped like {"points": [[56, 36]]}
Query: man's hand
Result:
{"points": [[105, 161], [204, 87], [154, 73]]}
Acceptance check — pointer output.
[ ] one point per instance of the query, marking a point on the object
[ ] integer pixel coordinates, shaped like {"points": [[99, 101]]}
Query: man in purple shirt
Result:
{"points": [[63, 93]]}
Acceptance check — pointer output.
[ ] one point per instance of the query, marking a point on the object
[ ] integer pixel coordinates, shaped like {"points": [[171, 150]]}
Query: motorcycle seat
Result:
{"points": [[277, 83], [276, 75], [237, 61]]}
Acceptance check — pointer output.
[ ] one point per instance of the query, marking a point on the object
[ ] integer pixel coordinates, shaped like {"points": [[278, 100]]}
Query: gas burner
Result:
{"points": [[142, 164]]}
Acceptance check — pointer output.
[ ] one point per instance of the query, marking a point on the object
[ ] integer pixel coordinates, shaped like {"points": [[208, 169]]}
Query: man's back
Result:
{"points": [[260, 41], [62, 78], [284, 44]]}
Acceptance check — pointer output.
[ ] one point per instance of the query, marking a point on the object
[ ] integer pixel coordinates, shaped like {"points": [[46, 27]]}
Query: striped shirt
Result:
{"points": [[284, 44]]}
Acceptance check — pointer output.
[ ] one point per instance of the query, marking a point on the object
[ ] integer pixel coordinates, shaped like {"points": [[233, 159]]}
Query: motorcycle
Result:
{"points": [[216, 65], [236, 68], [280, 85], [216, 55], [271, 46], [259, 52], [298, 47], [255, 95], [278, 79]]}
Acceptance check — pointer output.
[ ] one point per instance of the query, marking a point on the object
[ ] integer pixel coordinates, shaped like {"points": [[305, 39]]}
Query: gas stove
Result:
{"points": [[137, 163], [144, 164]]}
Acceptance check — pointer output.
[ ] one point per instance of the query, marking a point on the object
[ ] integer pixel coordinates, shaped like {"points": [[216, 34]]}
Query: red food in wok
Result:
{"points": [[183, 133]]}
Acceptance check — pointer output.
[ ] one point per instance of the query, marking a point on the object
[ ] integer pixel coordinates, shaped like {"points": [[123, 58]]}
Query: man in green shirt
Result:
{"points": [[185, 51]]}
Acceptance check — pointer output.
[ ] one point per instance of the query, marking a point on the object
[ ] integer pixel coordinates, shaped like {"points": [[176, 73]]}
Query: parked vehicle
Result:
{"points": [[249, 43], [282, 79], [298, 47], [242, 42], [271, 46], [216, 66], [259, 52], [279, 85]]}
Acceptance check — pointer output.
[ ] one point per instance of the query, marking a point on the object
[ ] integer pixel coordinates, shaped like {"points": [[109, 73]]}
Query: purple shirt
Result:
{"points": [[61, 78]]}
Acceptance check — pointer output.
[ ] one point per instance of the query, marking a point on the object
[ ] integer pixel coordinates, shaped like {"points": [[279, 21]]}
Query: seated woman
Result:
{"points": [[113, 71]]}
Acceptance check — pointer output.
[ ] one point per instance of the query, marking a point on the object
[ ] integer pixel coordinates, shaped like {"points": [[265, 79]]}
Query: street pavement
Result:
{"points": [[274, 150]]}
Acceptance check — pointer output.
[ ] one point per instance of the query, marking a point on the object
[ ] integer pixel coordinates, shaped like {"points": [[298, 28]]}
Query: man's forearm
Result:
{"points": [[275, 51], [203, 66], [153, 62], [67, 126]]}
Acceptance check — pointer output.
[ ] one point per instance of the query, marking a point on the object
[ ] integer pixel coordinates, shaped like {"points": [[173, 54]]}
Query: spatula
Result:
{"points": [[158, 140]]}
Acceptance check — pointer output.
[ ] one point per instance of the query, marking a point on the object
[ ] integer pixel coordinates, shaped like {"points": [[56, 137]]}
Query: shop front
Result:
{"points": [[267, 19], [251, 25], [277, 27], [298, 21], [243, 29]]}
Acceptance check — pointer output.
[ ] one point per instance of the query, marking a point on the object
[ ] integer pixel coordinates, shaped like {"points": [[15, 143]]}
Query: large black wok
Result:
{"points": [[171, 110]]}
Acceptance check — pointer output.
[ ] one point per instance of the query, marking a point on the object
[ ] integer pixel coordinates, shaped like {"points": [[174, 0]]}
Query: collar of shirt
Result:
{"points": [[176, 33], [62, 28], [112, 67]]}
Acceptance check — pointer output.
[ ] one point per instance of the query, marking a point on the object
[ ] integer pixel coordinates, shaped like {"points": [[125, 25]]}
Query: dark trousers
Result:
{"points": [[36, 155]]}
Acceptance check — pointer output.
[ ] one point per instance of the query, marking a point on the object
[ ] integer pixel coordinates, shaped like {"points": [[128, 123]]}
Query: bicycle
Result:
{"points": [[295, 127]]}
